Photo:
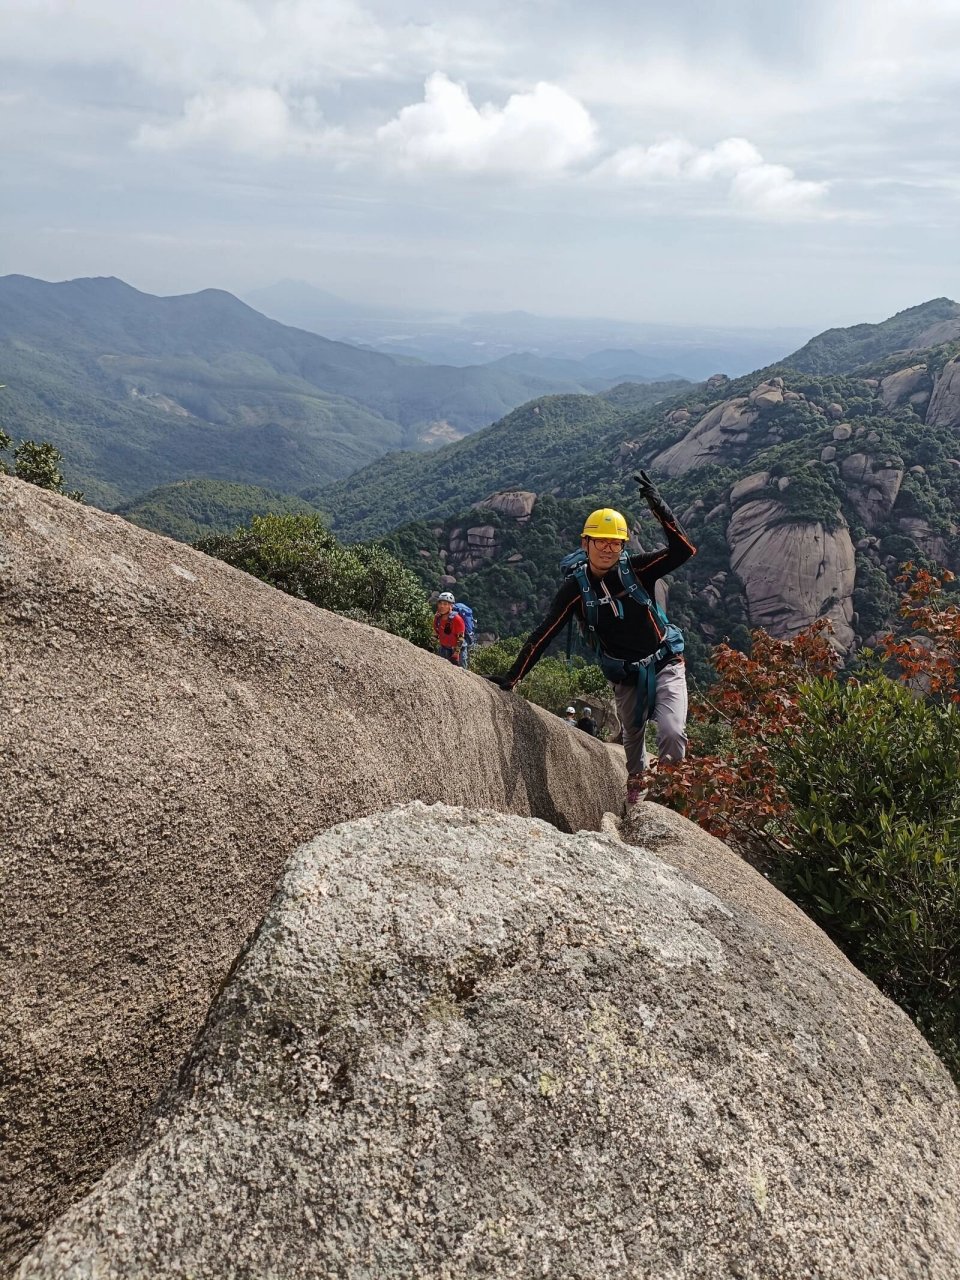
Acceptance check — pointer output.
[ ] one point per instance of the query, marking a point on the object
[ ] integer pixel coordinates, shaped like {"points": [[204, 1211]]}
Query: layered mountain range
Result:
{"points": [[138, 391]]}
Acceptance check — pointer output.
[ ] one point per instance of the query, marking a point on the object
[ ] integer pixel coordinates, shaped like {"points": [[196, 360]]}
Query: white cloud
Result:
{"points": [[250, 119], [253, 119], [755, 185], [195, 44], [545, 130]]}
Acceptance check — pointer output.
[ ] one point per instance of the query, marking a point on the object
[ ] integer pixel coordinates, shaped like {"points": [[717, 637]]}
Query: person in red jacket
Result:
{"points": [[449, 628]]}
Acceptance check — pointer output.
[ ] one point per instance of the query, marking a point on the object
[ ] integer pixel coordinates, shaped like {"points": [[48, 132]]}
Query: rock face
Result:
{"points": [[467, 1045], [930, 542], [749, 486], [518, 504], [872, 486], [907, 386], [726, 424], [170, 729], [942, 331], [944, 408], [792, 572]]}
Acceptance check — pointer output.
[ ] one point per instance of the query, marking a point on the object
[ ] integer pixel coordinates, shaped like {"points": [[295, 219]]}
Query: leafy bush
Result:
{"points": [[36, 463], [929, 658], [874, 784], [297, 554], [552, 683], [847, 794], [873, 598]]}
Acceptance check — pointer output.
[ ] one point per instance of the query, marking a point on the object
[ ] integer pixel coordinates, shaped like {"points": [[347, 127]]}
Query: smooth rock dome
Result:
{"points": [[463, 1044], [170, 730]]}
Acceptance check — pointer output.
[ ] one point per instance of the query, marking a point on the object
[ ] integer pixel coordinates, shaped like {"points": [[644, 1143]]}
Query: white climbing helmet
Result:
{"points": [[447, 596], [570, 711]]}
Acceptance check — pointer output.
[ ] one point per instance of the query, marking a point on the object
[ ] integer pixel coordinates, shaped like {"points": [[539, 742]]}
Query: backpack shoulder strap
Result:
{"points": [[636, 592], [588, 596]]}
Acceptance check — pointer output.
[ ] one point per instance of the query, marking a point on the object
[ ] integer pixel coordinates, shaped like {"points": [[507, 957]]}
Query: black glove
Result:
{"points": [[501, 682], [652, 495]]}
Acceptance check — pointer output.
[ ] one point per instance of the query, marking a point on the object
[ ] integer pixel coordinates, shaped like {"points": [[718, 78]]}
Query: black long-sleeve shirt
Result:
{"points": [[638, 633]]}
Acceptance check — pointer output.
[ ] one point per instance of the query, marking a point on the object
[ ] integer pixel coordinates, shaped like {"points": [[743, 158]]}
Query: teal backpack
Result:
{"points": [[642, 673]]}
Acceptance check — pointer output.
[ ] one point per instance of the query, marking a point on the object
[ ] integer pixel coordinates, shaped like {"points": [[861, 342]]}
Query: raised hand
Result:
{"points": [[653, 497]]}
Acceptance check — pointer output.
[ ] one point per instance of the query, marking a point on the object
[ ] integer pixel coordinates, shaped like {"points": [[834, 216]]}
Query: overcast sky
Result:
{"points": [[736, 162]]}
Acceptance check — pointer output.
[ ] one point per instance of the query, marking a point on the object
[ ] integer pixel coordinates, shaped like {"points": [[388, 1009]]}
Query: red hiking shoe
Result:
{"points": [[636, 791]]}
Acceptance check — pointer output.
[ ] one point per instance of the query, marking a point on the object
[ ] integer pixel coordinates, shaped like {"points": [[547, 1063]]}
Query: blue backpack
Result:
{"points": [[643, 673], [466, 613]]}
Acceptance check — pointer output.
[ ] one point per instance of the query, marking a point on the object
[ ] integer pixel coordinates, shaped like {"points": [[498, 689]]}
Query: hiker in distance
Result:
{"points": [[611, 594], [587, 722], [449, 628], [455, 628]]}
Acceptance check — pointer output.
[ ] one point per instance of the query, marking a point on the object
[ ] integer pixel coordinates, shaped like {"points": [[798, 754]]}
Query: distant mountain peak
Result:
{"points": [[841, 350]]}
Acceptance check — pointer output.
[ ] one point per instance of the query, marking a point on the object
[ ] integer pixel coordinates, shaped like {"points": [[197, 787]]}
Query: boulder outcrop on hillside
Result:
{"points": [[944, 408], [170, 729], [931, 543], [465, 1044], [793, 572], [911, 385], [728, 423], [872, 485], [471, 547], [517, 504]]}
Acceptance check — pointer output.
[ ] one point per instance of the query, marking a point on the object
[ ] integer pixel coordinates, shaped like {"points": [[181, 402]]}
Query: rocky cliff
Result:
{"points": [[944, 410], [834, 482], [463, 1044], [170, 729], [792, 572]]}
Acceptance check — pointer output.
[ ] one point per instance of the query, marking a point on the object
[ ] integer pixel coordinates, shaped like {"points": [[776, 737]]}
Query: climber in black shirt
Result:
{"points": [[612, 598]]}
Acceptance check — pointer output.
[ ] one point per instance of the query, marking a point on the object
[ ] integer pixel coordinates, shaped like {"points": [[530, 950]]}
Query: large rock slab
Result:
{"points": [[467, 1045], [713, 439], [792, 571], [944, 407], [170, 729], [906, 386], [872, 486], [517, 504]]}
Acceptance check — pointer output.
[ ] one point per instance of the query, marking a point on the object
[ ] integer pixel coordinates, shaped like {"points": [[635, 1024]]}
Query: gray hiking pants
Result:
{"points": [[670, 713]]}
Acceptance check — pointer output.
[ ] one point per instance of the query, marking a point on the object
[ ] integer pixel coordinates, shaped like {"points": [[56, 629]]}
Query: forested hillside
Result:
{"points": [[138, 391], [839, 350], [557, 442], [192, 509]]}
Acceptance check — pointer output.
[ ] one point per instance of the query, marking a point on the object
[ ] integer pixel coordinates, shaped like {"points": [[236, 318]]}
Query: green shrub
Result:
{"points": [[36, 463], [874, 778], [553, 683], [297, 554]]}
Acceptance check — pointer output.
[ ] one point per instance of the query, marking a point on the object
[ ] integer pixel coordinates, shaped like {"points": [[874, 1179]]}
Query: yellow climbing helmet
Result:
{"points": [[605, 523]]}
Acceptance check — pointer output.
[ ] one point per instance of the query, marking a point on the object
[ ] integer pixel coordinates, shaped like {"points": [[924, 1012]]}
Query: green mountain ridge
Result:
{"points": [[841, 350], [137, 391], [550, 443]]}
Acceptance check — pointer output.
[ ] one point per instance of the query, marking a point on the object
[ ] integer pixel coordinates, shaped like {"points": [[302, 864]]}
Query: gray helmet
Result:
{"points": [[587, 711], [447, 596]]}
